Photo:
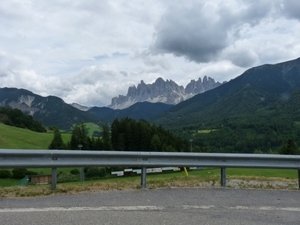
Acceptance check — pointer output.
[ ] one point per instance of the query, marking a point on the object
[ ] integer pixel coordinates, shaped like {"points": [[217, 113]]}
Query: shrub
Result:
{"points": [[30, 172], [5, 174], [95, 172], [74, 172], [64, 177], [19, 173]]}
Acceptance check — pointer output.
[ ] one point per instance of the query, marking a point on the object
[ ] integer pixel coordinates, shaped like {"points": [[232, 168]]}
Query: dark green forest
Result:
{"points": [[264, 129], [124, 135], [16, 118], [259, 111]]}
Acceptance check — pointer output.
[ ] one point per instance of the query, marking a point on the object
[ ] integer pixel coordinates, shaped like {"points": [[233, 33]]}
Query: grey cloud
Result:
{"points": [[291, 8], [191, 33], [101, 57], [200, 33], [153, 61], [3, 74], [91, 75], [124, 73], [243, 58], [254, 11]]}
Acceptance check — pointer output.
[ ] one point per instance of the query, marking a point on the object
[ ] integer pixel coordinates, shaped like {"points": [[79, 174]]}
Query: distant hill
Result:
{"points": [[266, 96], [50, 111], [140, 110], [256, 88]]}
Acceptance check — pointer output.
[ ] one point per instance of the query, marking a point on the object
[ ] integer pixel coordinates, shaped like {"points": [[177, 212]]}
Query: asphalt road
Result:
{"points": [[165, 206]]}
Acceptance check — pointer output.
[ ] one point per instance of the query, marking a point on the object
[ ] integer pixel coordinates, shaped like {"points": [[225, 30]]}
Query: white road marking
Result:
{"points": [[145, 208], [102, 208], [267, 208]]}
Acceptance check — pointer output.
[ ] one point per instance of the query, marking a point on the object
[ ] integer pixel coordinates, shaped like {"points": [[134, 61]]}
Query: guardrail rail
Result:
{"points": [[54, 159]]}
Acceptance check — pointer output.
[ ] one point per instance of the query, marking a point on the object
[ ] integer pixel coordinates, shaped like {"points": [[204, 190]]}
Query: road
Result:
{"points": [[161, 206]]}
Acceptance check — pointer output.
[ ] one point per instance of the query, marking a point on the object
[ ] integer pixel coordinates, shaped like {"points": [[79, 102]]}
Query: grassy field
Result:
{"points": [[91, 127], [18, 138]]}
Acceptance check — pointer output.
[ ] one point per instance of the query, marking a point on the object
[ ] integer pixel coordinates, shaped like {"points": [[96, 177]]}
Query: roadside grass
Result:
{"points": [[250, 172], [205, 178], [8, 182]]}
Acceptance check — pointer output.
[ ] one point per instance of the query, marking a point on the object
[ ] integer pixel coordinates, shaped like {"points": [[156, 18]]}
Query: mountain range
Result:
{"points": [[265, 98], [53, 111], [167, 92]]}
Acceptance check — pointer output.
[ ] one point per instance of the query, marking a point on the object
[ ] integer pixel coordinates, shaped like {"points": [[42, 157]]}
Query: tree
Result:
{"points": [[115, 134], [155, 143], [57, 142], [289, 148], [106, 137], [79, 137]]}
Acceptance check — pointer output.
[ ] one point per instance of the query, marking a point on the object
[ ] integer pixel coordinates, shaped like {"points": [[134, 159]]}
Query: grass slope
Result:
{"points": [[18, 138]]}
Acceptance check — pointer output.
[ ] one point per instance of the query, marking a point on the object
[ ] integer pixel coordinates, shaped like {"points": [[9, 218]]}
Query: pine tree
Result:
{"points": [[106, 137], [289, 148], [57, 142], [79, 137]]}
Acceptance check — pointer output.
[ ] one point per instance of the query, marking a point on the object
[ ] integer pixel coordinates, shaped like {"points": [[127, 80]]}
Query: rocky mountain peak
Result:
{"points": [[168, 92]]}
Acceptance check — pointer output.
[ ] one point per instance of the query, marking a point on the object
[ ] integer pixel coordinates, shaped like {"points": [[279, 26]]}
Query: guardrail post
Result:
{"points": [[223, 177], [299, 179], [143, 177], [82, 174], [54, 178]]}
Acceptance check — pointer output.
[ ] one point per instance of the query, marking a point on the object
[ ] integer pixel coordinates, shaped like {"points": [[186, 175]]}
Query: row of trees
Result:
{"points": [[125, 135], [130, 135]]}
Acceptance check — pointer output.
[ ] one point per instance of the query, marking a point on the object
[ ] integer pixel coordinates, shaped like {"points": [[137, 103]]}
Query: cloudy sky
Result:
{"points": [[89, 51]]}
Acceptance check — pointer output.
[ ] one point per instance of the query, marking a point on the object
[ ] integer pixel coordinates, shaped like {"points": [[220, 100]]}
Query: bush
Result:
{"points": [[5, 174], [20, 173], [95, 172], [74, 172], [64, 177], [30, 172]]}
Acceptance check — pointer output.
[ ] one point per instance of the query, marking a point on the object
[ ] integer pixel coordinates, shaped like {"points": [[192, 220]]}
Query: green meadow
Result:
{"points": [[18, 138]]}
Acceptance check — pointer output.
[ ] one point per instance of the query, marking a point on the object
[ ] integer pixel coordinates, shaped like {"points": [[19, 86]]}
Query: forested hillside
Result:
{"points": [[259, 110], [16, 118]]}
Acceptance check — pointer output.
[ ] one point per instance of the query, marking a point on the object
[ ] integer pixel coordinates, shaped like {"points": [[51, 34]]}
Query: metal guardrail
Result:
{"points": [[71, 158]]}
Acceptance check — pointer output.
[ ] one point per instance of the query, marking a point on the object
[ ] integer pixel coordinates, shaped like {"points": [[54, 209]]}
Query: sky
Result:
{"points": [[89, 51]]}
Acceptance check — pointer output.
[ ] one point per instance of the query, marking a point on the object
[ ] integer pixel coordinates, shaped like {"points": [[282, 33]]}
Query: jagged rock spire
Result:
{"points": [[162, 91]]}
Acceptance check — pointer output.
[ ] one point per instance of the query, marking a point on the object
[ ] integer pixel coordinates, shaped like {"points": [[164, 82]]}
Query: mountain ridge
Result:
{"points": [[168, 92], [50, 110], [267, 83]]}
